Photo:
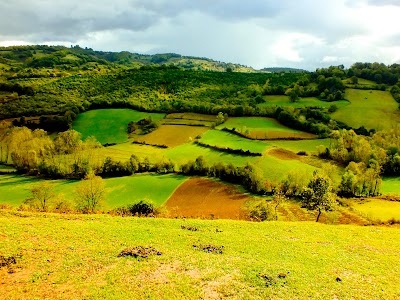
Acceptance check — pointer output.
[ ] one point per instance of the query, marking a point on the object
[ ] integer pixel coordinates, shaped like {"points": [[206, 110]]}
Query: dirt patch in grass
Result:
{"points": [[283, 154], [210, 248], [139, 251], [281, 135], [204, 198], [172, 135]]}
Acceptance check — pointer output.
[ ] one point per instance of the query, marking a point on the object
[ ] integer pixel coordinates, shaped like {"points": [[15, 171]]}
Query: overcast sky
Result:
{"points": [[258, 33]]}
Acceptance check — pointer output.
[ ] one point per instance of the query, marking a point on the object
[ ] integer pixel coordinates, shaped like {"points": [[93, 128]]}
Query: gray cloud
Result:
{"points": [[384, 2], [304, 33]]}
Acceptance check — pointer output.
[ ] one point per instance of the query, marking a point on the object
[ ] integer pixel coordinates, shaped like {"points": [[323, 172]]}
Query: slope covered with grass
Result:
{"points": [[369, 108], [110, 125], [76, 257]]}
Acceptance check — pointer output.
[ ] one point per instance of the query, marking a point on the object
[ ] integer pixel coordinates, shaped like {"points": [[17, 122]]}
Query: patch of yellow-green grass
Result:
{"points": [[172, 135], [275, 167], [371, 109], [123, 151], [378, 209], [309, 146], [76, 257], [284, 101]]}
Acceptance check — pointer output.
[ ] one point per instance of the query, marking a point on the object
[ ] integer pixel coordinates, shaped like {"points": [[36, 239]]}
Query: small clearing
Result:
{"points": [[204, 198]]}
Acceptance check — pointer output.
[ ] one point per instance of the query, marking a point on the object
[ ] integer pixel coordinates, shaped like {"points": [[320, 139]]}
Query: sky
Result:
{"points": [[306, 34]]}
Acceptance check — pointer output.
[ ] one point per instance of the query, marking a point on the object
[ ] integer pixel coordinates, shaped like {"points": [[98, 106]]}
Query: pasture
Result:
{"points": [[283, 101], [186, 152], [371, 109], [263, 128], [172, 135], [276, 164], [191, 119], [310, 146], [378, 209], [14, 189], [224, 139], [110, 125], [76, 257]]}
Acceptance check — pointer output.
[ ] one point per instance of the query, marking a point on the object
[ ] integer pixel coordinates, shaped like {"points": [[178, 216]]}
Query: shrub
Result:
{"points": [[142, 208], [261, 211]]}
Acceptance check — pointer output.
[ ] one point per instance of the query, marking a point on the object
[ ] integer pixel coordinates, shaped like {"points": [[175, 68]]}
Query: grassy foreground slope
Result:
{"points": [[76, 257]]}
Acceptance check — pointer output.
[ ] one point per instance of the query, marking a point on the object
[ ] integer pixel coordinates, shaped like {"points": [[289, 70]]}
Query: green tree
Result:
{"points": [[42, 196], [90, 193], [317, 195]]}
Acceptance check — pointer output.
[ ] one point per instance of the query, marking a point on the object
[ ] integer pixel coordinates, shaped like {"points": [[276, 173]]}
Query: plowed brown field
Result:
{"points": [[204, 198]]}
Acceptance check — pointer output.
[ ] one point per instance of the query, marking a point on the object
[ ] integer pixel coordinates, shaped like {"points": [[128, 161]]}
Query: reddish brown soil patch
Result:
{"points": [[282, 154], [281, 135], [172, 135], [204, 198]]}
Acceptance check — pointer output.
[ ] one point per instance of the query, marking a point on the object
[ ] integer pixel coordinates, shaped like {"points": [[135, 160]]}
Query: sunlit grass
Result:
{"points": [[76, 257], [109, 125]]}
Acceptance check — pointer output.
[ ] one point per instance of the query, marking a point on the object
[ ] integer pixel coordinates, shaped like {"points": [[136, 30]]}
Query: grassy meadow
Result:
{"points": [[283, 101], [224, 139], [110, 125], [368, 108], [378, 209], [76, 257], [172, 135], [14, 189], [263, 128]]}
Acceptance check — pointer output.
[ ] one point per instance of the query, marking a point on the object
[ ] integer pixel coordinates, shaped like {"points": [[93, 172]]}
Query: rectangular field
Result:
{"points": [[110, 125], [263, 128], [371, 109], [283, 101], [224, 139], [172, 135]]}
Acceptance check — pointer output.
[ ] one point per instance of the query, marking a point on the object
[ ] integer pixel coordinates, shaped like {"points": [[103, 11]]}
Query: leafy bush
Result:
{"points": [[142, 208]]}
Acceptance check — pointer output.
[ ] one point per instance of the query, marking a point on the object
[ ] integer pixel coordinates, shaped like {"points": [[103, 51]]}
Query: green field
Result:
{"points": [[284, 101], [310, 146], [377, 209], [371, 109], [276, 169], [109, 125], [390, 186], [224, 139], [184, 153], [76, 257], [255, 124], [14, 189]]}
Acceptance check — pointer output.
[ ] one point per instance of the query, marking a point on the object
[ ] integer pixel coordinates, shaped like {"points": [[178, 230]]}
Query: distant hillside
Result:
{"points": [[283, 69], [86, 58]]}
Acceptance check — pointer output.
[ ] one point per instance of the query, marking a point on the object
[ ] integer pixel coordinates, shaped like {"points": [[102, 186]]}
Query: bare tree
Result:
{"points": [[90, 193]]}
